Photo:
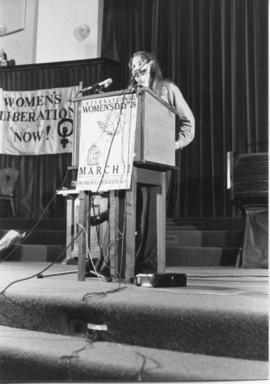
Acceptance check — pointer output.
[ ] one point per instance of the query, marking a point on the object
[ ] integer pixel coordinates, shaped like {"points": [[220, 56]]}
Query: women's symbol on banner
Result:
{"points": [[65, 129]]}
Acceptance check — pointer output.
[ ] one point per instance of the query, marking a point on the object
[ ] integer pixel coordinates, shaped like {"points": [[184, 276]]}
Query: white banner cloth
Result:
{"points": [[107, 143], [37, 122]]}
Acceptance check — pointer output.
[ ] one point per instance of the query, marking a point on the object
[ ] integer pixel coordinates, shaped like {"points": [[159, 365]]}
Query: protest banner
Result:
{"points": [[37, 122]]}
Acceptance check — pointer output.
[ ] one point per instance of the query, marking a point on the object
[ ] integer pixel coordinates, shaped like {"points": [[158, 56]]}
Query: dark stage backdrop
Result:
{"points": [[41, 176], [216, 51]]}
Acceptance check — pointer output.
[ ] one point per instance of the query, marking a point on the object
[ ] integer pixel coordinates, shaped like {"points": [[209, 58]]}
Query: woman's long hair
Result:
{"points": [[156, 81]]}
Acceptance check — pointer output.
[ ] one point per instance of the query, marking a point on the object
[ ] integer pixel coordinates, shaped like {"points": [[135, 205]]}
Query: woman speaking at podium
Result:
{"points": [[145, 71]]}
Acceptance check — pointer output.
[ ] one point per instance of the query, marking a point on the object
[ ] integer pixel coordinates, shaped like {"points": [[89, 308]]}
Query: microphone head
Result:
{"points": [[107, 83]]}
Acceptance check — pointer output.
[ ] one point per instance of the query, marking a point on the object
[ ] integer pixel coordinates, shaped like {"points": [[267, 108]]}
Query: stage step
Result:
{"points": [[213, 223], [46, 236], [190, 242], [227, 318], [204, 242], [41, 236], [203, 238], [28, 224], [34, 252], [38, 252], [202, 256], [38, 356], [43, 241]]}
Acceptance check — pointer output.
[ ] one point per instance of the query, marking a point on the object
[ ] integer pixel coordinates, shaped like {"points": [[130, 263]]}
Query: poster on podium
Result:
{"points": [[107, 138]]}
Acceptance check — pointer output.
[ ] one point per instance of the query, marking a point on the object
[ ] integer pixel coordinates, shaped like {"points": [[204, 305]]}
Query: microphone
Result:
{"points": [[145, 65], [103, 84], [142, 68]]}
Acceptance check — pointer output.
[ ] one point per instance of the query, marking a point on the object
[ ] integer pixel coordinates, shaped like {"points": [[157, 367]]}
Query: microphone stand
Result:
{"points": [[81, 262], [92, 221], [96, 89]]}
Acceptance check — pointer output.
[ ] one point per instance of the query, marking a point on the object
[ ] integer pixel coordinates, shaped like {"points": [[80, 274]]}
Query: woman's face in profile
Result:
{"points": [[140, 71]]}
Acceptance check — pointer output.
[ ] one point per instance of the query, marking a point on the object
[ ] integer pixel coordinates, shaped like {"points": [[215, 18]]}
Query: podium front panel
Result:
{"points": [[158, 125], [155, 131]]}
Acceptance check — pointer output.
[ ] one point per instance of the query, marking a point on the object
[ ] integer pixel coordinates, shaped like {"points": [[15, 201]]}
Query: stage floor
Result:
{"points": [[212, 281]]}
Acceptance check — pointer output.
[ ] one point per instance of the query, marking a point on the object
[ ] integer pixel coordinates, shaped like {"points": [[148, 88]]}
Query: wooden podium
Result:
{"points": [[154, 153]]}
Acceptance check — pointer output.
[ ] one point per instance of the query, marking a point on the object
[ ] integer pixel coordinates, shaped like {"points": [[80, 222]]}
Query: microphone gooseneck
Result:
{"points": [[102, 84]]}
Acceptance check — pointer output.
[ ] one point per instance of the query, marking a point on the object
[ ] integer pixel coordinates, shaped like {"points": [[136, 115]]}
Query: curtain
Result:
{"points": [[216, 52], [39, 179], [41, 176]]}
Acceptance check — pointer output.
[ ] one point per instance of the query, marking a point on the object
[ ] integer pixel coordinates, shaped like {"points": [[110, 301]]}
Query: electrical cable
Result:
{"points": [[108, 154], [101, 294], [43, 270], [102, 260], [38, 221], [104, 293], [124, 214], [89, 252], [97, 231], [123, 235], [39, 274], [74, 356], [112, 140]]}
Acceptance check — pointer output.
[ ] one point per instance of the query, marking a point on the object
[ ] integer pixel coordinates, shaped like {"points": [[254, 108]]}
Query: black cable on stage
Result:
{"points": [[124, 222], [113, 137], [104, 293], [38, 221], [101, 294], [39, 274], [107, 159], [43, 270], [50, 265], [101, 260]]}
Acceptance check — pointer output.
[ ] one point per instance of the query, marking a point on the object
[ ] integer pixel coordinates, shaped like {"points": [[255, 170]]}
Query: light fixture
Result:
{"points": [[82, 32]]}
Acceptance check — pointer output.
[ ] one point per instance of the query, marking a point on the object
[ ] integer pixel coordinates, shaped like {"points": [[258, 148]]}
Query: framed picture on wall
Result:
{"points": [[12, 16]]}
